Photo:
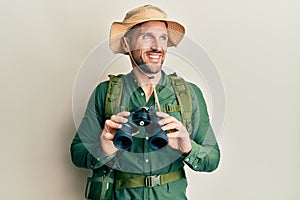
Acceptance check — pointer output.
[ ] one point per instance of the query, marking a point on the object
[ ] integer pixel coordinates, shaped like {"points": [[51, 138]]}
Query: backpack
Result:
{"points": [[101, 187]]}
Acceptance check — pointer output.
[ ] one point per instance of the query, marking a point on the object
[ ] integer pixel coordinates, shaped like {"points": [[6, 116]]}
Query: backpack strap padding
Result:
{"points": [[113, 95], [170, 108], [183, 96]]}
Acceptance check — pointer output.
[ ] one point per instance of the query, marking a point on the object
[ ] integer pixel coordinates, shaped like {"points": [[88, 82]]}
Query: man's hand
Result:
{"points": [[179, 138], [110, 127]]}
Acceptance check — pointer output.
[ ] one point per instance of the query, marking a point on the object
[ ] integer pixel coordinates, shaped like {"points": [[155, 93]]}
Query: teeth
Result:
{"points": [[155, 57]]}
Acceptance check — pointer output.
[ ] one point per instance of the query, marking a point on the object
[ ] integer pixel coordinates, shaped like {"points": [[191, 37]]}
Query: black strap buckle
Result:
{"points": [[151, 181]]}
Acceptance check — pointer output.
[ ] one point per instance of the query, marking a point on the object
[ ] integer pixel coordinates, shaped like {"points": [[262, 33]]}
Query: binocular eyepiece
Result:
{"points": [[141, 117]]}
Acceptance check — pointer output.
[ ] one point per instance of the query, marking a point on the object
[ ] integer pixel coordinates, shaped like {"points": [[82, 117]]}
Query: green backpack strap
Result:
{"points": [[113, 95], [183, 96], [100, 184]]}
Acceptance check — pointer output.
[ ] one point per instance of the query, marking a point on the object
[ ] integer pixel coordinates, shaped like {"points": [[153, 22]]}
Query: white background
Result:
{"points": [[254, 44]]}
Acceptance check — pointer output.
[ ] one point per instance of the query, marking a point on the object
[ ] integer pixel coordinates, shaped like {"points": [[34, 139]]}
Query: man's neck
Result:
{"points": [[145, 82], [143, 79]]}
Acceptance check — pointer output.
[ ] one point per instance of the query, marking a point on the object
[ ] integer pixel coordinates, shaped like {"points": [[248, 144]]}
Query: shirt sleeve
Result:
{"points": [[85, 148], [205, 153]]}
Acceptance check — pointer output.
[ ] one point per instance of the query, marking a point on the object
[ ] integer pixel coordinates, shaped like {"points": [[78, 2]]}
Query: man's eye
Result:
{"points": [[164, 38], [147, 36]]}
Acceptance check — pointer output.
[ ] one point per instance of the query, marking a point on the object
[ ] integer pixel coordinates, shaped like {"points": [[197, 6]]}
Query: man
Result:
{"points": [[142, 172]]}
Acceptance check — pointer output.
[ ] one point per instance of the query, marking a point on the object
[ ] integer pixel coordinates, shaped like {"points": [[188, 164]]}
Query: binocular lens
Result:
{"points": [[158, 141], [123, 142], [123, 138]]}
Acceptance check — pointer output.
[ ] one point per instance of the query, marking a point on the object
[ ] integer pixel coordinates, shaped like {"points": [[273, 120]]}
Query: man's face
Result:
{"points": [[148, 44]]}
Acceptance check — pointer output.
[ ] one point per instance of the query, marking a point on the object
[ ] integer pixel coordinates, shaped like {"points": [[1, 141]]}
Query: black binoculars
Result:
{"points": [[141, 117]]}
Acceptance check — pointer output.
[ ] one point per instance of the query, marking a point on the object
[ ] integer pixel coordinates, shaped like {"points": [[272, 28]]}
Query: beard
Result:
{"points": [[151, 68]]}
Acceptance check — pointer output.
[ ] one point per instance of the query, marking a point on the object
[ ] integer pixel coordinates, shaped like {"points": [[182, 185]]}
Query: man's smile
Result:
{"points": [[154, 57]]}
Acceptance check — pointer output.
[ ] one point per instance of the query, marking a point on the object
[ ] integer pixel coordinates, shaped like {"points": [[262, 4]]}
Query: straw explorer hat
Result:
{"points": [[144, 14]]}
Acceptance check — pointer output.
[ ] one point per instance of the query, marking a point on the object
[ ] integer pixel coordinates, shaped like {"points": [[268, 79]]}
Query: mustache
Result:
{"points": [[149, 50], [155, 51]]}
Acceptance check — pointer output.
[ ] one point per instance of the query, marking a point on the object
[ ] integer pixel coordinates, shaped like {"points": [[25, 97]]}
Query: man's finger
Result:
{"points": [[124, 113], [112, 125], [162, 114], [171, 126], [119, 119], [175, 134], [108, 136], [167, 120]]}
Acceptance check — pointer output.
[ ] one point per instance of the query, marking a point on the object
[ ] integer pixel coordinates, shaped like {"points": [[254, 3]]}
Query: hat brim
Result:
{"points": [[118, 29]]}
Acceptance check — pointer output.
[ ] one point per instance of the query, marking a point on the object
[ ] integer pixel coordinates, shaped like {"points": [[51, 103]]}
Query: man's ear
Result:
{"points": [[124, 43]]}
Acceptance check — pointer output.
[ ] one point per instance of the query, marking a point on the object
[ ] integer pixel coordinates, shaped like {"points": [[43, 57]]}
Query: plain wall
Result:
{"points": [[254, 44]]}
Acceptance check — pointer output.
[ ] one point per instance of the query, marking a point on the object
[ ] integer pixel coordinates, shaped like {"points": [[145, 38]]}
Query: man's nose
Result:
{"points": [[156, 44]]}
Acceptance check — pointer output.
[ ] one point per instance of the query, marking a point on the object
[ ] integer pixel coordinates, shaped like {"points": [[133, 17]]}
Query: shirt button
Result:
{"points": [[147, 138], [187, 159], [147, 160], [142, 94]]}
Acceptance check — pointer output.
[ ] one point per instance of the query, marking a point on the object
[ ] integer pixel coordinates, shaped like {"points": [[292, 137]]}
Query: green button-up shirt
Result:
{"points": [[140, 159]]}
